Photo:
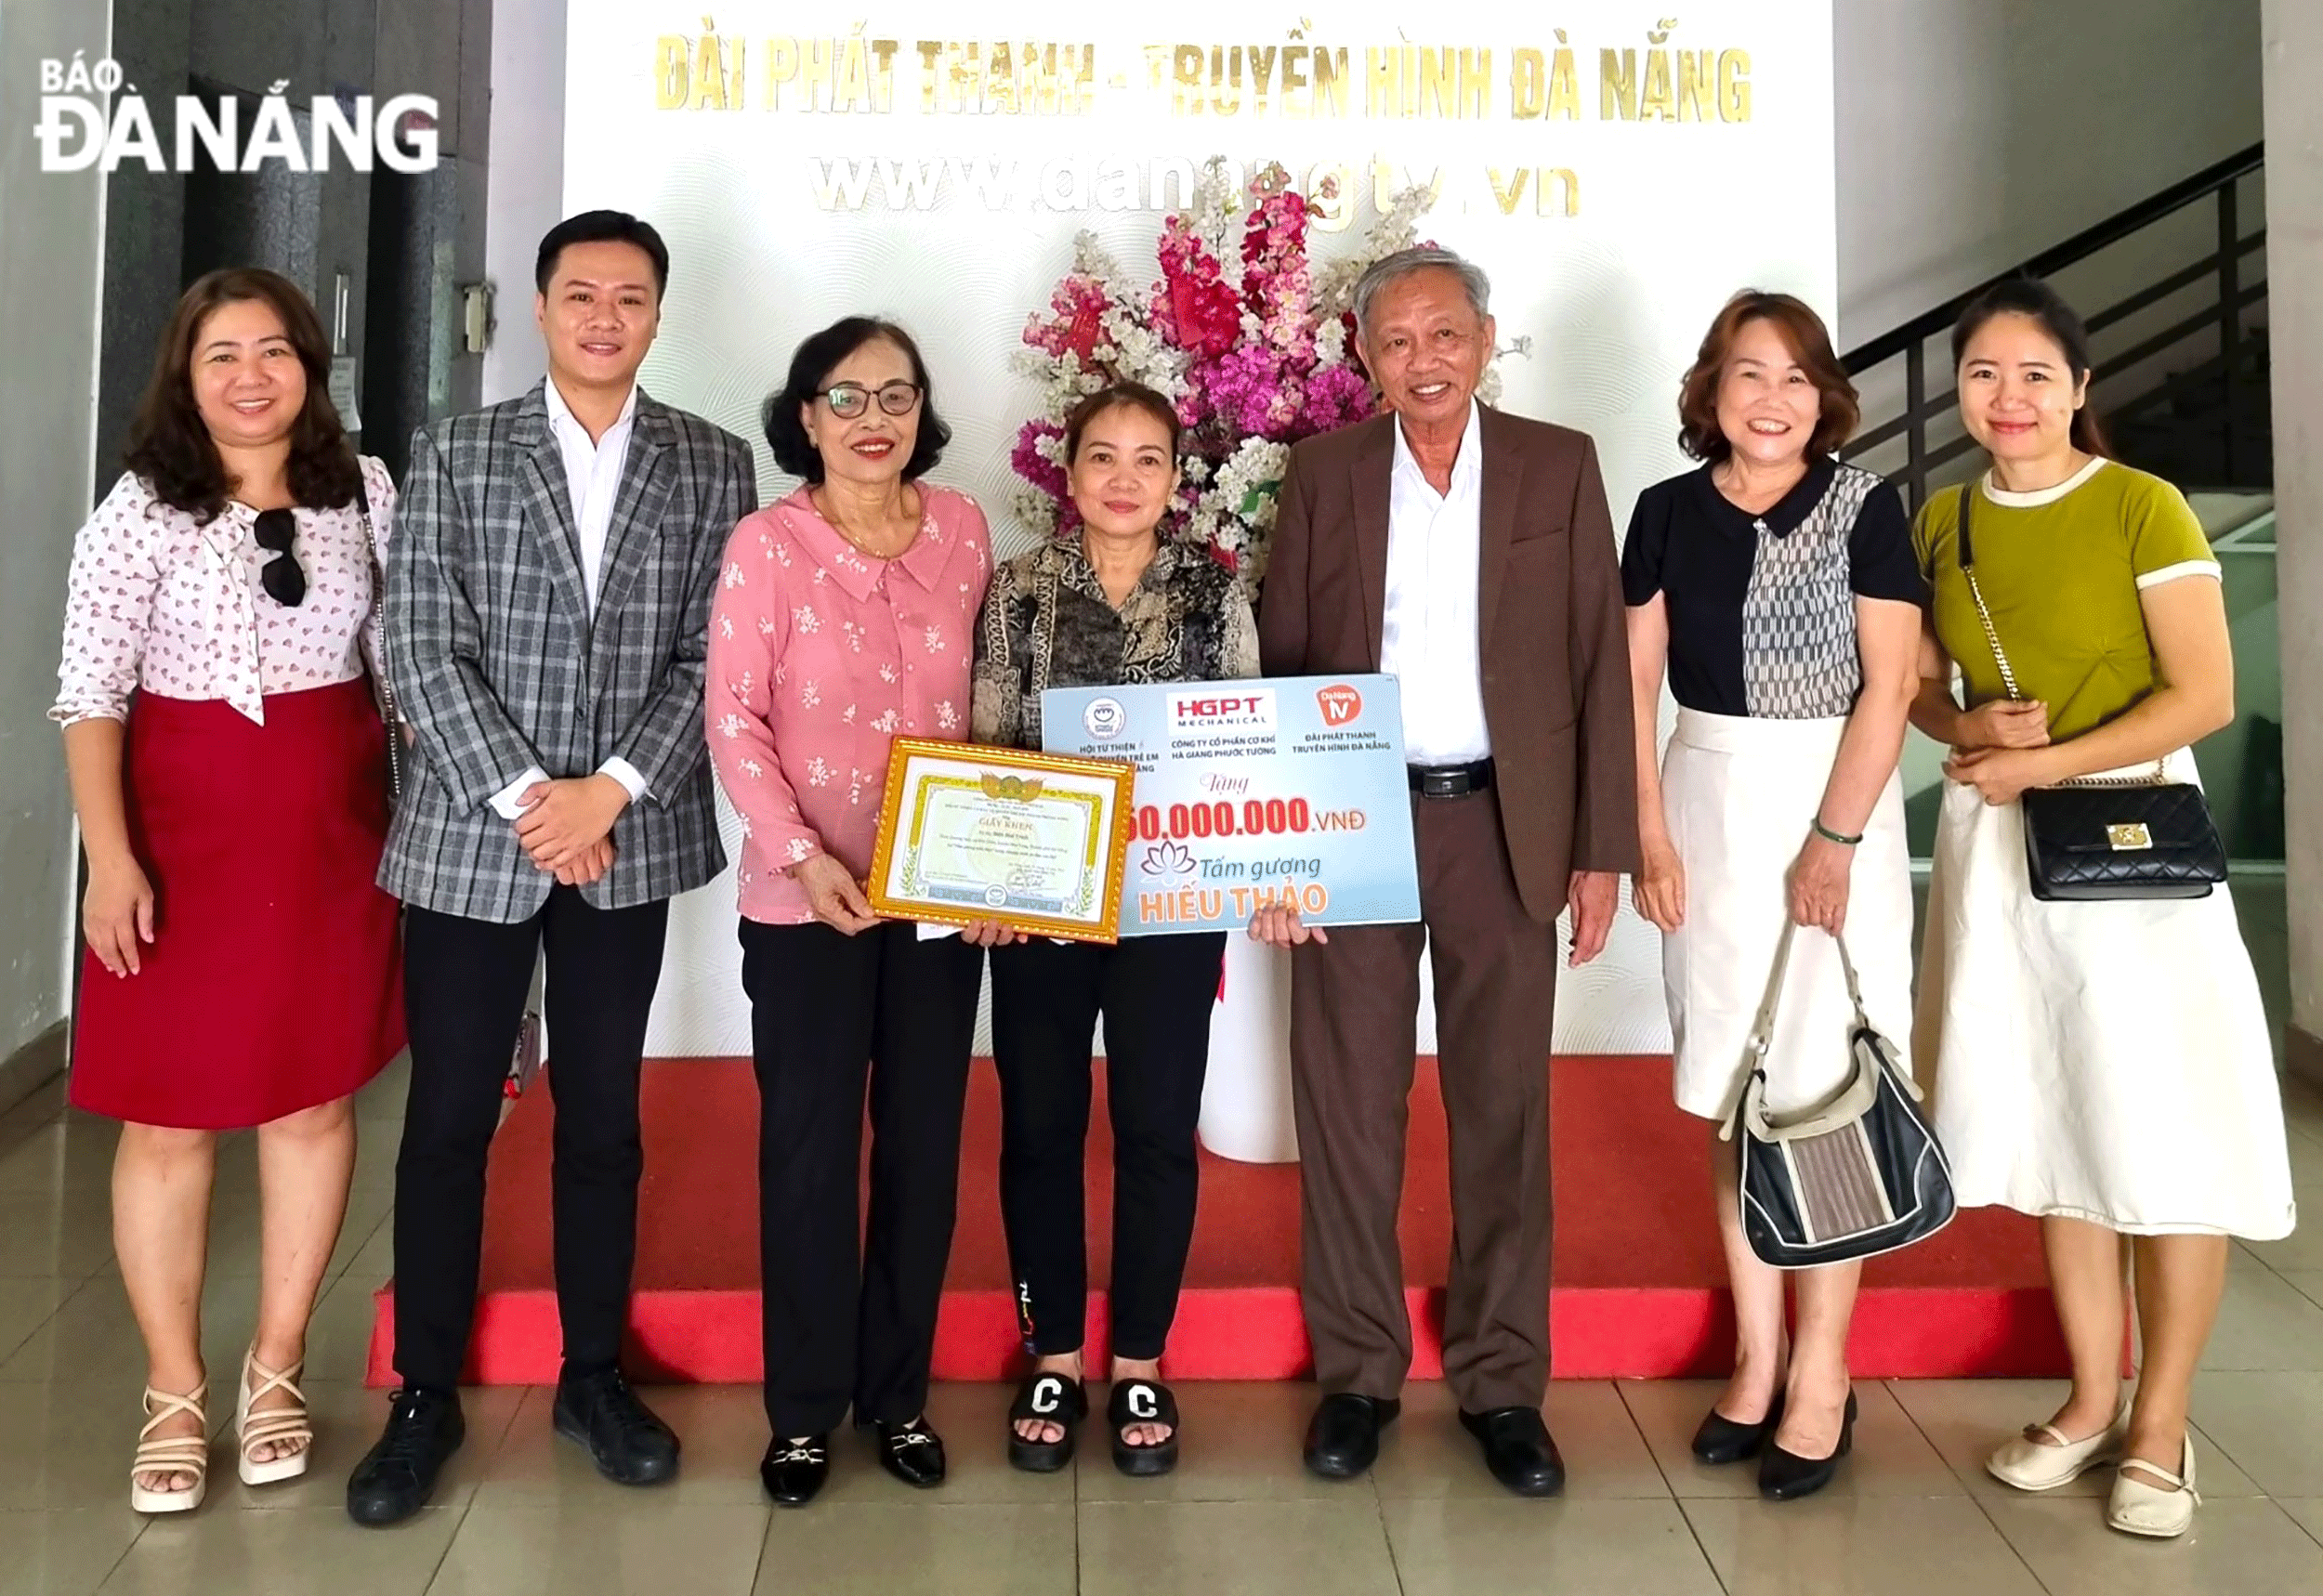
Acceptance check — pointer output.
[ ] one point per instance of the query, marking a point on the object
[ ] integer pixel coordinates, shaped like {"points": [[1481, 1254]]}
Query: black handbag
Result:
{"points": [[2105, 837], [1860, 1175]]}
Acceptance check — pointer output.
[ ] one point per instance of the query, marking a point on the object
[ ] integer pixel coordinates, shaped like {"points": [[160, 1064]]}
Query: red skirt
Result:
{"points": [[274, 981]]}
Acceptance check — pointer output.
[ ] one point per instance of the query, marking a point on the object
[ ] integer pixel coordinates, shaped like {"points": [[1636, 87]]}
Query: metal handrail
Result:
{"points": [[2050, 261], [2223, 266]]}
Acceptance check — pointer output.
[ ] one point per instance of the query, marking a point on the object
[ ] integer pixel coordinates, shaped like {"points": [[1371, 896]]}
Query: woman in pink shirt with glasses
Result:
{"points": [[845, 617]]}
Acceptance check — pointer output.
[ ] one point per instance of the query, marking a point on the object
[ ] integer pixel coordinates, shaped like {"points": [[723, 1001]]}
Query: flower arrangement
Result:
{"points": [[1251, 342]]}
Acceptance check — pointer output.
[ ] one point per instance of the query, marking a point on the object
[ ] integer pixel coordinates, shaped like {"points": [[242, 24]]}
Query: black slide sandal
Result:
{"points": [[1047, 1399], [1142, 1402]]}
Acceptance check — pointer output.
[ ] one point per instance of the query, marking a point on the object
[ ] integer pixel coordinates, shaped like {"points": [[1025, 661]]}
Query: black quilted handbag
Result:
{"points": [[1860, 1175], [2106, 837]]}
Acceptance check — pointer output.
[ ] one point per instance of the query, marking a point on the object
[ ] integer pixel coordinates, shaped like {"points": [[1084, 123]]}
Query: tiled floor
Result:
{"points": [[520, 1514]]}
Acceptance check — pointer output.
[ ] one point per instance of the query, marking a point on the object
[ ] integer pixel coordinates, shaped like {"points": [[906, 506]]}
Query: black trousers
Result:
{"points": [[851, 1313], [465, 987], [1155, 994]]}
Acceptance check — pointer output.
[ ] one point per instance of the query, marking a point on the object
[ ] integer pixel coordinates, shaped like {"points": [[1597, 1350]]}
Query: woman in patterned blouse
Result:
{"points": [[842, 621], [1111, 603], [229, 770]]}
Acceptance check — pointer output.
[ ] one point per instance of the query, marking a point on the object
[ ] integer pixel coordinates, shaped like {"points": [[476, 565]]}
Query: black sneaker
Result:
{"points": [[629, 1446], [398, 1475]]}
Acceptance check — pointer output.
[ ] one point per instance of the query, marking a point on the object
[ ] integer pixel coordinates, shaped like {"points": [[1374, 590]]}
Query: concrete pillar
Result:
{"points": [[2294, 33]]}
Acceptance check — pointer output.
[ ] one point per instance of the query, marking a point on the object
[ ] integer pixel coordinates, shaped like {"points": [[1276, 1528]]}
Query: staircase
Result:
{"points": [[2182, 355]]}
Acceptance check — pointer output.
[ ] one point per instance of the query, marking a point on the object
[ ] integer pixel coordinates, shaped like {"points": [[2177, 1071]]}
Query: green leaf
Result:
{"points": [[1260, 492]]}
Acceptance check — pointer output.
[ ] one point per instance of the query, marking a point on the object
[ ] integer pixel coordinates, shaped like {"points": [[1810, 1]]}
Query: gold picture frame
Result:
{"points": [[1038, 841]]}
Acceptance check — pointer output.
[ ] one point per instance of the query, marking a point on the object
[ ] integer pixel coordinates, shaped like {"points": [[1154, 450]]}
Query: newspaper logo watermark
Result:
{"points": [[78, 130]]}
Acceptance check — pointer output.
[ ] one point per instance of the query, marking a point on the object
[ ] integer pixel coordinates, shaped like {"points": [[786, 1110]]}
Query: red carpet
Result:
{"points": [[1639, 1285]]}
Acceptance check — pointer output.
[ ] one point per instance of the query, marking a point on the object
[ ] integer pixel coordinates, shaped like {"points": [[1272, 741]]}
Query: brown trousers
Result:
{"points": [[1354, 1036]]}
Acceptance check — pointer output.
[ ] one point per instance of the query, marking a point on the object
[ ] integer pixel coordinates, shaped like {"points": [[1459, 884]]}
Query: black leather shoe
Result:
{"points": [[1518, 1449], [1723, 1440], [1785, 1476], [913, 1452], [1343, 1438], [629, 1446], [398, 1475], [794, 1471]]}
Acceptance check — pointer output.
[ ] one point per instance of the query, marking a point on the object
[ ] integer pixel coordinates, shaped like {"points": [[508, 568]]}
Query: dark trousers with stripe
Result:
{"points": [[1155, 994]]}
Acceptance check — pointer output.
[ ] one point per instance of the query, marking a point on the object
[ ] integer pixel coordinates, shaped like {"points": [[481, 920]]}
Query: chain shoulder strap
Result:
{"points": [[1966, 552], [379, 630]]}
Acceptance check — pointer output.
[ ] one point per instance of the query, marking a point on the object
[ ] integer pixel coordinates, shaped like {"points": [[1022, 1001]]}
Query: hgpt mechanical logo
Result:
{"points": [[76, 131]]}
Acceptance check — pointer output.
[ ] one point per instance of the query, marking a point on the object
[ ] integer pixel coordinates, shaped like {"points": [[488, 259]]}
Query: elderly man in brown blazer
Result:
{"points": [[1469, 553]]}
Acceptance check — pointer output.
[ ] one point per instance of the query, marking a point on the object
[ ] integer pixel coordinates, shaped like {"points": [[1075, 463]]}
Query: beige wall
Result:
{"points": [[1975, 133], [2294, 55]]}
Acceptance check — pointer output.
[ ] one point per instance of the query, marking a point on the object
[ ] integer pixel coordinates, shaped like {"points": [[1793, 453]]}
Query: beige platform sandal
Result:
{"points": [[271, 1426], [172, 1454]]}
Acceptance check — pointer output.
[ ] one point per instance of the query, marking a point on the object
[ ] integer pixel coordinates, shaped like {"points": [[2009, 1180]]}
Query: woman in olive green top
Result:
{"points": [[2104, 1066]]}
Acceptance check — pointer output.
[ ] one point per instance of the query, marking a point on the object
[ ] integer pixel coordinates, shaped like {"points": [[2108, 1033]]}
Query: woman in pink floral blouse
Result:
{"points": [[845, 617]]}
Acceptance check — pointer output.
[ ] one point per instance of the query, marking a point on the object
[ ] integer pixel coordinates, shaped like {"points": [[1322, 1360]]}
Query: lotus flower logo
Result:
{"points": [[1168, 859]]}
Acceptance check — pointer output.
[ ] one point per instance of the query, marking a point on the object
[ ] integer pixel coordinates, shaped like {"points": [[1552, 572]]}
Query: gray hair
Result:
{"points": [[1404, 262]]}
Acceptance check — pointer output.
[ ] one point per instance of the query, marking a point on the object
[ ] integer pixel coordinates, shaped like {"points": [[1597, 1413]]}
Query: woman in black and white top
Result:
{"points": [[1780, 590]]}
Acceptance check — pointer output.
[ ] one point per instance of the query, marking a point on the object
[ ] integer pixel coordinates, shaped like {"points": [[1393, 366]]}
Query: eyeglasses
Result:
{"points": [[284, 582], [849, 401]]}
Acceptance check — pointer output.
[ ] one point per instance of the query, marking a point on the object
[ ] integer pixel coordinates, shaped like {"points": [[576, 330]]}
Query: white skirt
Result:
{"points": [[1740, 796], [2101, 1061]]}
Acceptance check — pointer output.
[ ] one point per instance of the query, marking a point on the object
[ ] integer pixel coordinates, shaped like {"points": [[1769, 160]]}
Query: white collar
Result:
{"points": [[1471, 455], [560, 413], [2040, 496]]}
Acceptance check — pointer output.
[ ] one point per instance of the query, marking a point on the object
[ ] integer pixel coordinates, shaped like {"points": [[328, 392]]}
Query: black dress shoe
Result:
{"points": [[1723, 1440], [1785, 1476], [398, 1475], [629, 1446], [913, 1452], [1343, 1438], [1518, 1449], [794, 1471]]}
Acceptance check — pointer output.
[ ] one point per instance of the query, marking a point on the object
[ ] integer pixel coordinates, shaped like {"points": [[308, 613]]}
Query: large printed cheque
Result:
{"points": [[1289, 790]]}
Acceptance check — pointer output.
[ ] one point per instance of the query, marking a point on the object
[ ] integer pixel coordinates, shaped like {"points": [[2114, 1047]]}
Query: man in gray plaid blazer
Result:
{"points": [[547, 617]]}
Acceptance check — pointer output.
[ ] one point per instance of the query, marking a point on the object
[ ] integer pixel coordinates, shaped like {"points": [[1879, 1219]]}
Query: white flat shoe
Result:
{"points": [[2137, 1508], [270, 1426], [2031, 1465], [171, 1454]]}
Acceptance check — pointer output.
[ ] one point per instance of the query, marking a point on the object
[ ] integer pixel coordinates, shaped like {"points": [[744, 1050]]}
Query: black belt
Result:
{"points": [[1451, 780]]}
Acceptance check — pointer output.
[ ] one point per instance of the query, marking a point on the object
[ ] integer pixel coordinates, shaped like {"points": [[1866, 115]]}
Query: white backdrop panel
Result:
{"points": [[768, 245]]}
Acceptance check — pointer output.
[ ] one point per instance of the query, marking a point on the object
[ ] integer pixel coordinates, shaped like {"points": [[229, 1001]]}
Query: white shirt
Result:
{"points": [[593, 470], [1428, 635]]}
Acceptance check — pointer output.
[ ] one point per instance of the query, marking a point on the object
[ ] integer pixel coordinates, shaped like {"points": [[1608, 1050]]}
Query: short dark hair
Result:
{"points": [[170, 445], [2030, 297], [1809, 340], [1122, 396], [811, 365], [601, 227]]}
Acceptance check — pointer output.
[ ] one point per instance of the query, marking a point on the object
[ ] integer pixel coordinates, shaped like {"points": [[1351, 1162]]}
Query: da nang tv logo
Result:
{"points": [[79, 130], [1339, 703]]}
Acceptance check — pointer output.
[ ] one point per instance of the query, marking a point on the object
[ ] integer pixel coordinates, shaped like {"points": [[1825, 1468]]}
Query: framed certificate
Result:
{"points": [[1035, 841]]}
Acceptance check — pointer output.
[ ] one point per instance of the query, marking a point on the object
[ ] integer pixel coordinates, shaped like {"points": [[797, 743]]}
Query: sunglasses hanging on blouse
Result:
{"points": [[282, 577]]}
